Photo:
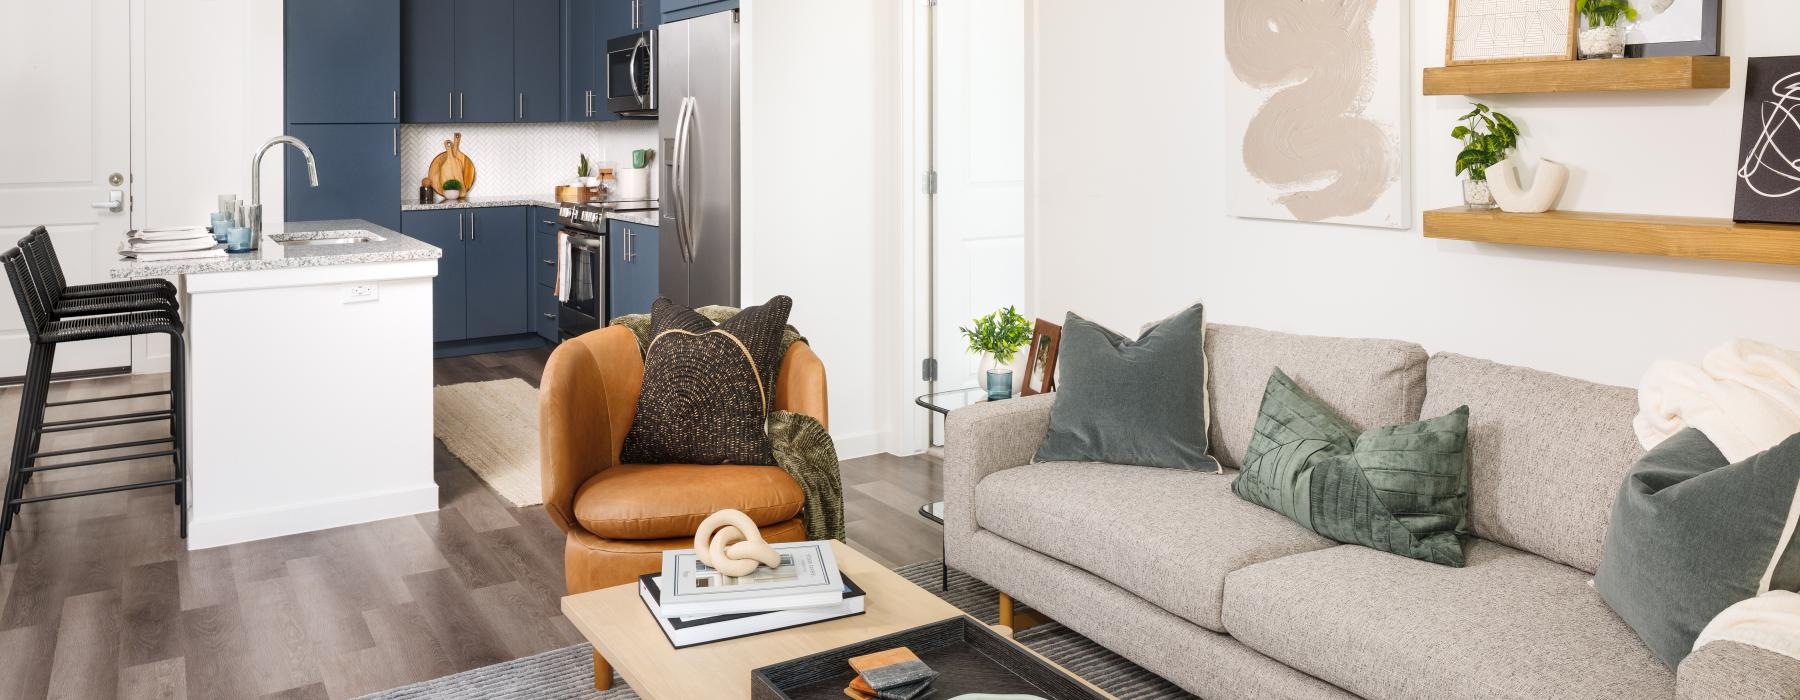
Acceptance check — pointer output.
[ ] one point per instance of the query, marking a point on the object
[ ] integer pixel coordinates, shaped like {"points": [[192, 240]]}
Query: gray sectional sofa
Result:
{"points": [[1229, 600]]}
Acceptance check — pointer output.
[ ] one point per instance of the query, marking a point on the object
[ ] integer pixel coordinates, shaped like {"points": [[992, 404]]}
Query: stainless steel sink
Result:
{"points": [[326, 238]]}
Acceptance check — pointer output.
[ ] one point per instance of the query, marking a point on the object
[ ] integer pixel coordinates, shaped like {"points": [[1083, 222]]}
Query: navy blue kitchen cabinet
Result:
{"points": [[647, 14], [587, 24], [484, 61], [498, 245], [444, 228], [342, 63], [537, 60], [359, 173], [428, 68], [457, 61], [676, 10], [543, 313], [630, 267]]}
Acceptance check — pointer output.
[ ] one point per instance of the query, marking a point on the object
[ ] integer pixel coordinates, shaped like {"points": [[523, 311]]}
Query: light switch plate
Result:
{"points": [[359, 292]]}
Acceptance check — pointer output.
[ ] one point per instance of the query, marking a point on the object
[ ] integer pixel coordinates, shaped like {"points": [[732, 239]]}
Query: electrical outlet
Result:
{"points": [[361, 291]]}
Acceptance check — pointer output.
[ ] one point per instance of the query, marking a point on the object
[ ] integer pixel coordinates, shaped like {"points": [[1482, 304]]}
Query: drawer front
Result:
{"points": [[543, 313], [543, 259]]}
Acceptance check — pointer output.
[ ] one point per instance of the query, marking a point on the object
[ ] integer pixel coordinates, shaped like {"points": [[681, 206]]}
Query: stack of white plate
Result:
{"points": [[171, 244]]}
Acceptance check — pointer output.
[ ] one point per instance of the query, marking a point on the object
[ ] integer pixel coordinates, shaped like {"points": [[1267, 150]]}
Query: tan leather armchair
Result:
{"points": [[620, 517]]}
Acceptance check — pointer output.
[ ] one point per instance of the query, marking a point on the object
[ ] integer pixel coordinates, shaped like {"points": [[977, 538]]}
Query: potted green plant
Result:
{"points": [[1486, 136], [1602, 36], [453, 189], [997, 337], [584, 174]]}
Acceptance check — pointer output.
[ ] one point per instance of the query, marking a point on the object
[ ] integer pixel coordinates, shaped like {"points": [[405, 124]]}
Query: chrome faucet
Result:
{"points": [[255, 211]]}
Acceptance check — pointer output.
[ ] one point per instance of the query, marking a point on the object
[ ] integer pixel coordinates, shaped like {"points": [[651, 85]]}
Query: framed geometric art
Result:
{"points": [[1768, 177], [1316, 108], [1510, 31]]}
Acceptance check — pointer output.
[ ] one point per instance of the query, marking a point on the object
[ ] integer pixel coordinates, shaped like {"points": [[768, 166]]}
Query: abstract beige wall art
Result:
{"points": [[1316, 110]]}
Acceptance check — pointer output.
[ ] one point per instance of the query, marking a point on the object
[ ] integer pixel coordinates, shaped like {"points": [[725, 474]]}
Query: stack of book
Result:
{"points": [[696, 604], [153, 244]]}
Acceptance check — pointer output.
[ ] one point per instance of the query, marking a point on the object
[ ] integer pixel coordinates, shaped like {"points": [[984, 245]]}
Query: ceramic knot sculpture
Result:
{"points": [[729, 542], [1503, 179]]}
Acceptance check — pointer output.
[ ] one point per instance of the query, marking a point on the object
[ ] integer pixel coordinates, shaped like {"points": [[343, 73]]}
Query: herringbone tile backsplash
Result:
{"points": [[522, 159]]}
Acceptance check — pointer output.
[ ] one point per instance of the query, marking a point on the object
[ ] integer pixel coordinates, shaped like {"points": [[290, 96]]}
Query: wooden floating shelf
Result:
{"points": [[1604, 75], [1671, 236]]}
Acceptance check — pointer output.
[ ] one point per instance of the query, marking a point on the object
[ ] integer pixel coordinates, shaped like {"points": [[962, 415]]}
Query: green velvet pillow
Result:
{"points": [[1402, 489], [1139, 402], [1692, 534]]}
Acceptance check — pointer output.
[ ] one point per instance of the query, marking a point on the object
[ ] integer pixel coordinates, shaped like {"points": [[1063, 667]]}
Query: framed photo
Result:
{"points": [[1510, 31], [1768, 179], [1674, 28], [1040, 369]]}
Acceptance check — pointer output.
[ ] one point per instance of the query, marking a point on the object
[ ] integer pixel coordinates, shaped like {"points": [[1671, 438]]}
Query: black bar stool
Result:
{"points": [[45, 258], [50, 320]]}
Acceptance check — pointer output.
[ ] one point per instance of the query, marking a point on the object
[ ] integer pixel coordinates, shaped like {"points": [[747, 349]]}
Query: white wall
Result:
{"points": [[1126, 210], [822, 149]]}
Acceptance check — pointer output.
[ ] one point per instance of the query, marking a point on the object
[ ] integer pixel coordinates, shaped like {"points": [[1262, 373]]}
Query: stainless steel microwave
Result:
{"points": [[631, 74]]}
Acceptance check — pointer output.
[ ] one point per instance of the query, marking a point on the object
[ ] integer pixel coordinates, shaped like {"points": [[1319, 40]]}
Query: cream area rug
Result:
{"points": [[493, 428]]}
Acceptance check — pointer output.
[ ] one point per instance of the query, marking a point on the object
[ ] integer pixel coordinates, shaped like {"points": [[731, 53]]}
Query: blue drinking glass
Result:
{"points": [[237, 239], [221, 226], [999, 384]]}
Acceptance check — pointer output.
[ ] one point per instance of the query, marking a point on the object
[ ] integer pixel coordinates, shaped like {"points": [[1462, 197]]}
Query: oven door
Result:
{"points": [[631, 74], [585, 308]]}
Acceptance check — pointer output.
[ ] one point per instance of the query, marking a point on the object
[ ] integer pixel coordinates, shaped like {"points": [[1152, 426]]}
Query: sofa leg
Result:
{"points": [[602, 673], [1006, 611]]}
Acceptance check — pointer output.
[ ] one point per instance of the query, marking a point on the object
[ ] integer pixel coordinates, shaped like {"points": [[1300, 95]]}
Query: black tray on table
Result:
{"points": [[969, 658]]}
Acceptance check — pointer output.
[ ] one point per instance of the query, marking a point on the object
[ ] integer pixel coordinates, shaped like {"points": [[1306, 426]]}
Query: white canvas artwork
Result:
{"points": [[1663, 21], [1316, 109], [1510, 30]]}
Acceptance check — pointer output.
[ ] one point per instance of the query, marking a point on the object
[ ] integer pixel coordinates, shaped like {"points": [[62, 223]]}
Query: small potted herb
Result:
{"points": [[1486, 136], [997, 337], [452, 190], [1603, 37], [584, 174]]}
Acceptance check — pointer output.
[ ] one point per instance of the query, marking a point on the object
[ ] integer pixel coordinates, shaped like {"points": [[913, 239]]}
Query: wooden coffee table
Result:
{"points": [[622, 631]]}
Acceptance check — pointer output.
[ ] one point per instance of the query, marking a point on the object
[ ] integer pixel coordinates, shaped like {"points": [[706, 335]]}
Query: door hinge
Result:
{"points": [[928, 370], [931, 182]]}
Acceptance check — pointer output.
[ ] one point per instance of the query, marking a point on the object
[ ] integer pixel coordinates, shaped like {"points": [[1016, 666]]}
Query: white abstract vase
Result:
{"points": [[1503, 179]]}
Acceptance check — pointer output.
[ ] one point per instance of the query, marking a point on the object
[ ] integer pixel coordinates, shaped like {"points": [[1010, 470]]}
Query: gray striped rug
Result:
{"points": [[568, 673]]}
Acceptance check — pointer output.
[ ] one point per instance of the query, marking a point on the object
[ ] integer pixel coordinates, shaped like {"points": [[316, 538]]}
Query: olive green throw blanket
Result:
{"points": [[802, 446]]}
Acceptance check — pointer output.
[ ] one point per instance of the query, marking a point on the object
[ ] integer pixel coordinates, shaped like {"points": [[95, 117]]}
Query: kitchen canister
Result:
{"points": [[634, 183]]}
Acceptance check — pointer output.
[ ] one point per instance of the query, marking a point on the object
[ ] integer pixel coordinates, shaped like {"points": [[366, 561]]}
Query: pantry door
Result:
{"points": [[65, 153]]}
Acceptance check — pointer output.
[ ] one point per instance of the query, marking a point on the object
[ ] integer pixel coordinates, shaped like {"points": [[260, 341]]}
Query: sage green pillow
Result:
{"points": [[1140, 402], [1402, 489]]}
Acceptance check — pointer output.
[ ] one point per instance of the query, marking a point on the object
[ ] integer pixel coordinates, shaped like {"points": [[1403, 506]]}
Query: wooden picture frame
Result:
{"points": [[1040, 359], [1567, 52]]}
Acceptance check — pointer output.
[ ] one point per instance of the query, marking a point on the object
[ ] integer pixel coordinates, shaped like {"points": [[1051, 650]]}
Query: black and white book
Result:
{"points": [[689, 631], [807, 577]]}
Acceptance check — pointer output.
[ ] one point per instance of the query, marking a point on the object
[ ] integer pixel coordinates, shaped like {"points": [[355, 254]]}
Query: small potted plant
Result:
{"points": [[584, 174], [998, 337], [452, 190], [1486, 136], [1603, 37]]}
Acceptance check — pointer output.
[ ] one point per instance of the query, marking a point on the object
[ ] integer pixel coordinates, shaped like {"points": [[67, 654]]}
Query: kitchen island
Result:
{"points": [[309, 369]]}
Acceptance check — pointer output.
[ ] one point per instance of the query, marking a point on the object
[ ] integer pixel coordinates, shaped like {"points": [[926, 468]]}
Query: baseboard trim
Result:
{"points": [[857, 444], [460, 348], [247, 526]]}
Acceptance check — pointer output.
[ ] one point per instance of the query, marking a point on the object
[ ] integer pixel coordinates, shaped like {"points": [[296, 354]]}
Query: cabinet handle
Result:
{"points": [[396, 104], [471, 226], [521, 106], [637, 15], [459, 228], [460, 112], [450, 104], [551, 263], [550, 316], [549, 223], [588, 106], [396, 140], [629, 253]]}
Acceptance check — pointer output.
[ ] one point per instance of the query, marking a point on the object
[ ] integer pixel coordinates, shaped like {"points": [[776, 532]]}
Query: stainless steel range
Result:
{"points": [[581, 269]]}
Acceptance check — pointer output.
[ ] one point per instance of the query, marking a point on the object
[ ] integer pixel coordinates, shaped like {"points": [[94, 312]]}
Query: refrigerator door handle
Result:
{"points": [[683, 178]]}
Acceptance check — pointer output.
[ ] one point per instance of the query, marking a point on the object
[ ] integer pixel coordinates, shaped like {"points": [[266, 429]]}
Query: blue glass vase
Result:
{"points": [[999, 384]]}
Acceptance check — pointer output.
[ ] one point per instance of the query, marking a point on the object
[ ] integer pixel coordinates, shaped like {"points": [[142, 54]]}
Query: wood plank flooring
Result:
{"points": [[99, 598]]}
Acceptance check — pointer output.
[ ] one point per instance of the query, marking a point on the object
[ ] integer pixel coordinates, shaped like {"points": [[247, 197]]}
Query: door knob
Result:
{"points": [[115, 201]]}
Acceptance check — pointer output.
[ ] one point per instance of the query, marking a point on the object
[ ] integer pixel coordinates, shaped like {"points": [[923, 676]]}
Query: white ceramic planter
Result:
{"points": [[1503, 180]]}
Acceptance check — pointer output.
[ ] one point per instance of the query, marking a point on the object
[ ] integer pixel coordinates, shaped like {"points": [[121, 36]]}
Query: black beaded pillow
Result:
{"points": [[708, 388]]}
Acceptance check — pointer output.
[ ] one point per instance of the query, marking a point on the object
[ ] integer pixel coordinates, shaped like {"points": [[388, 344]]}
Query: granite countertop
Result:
{"points": [[272, 255], [646, 217], [484, 200]]}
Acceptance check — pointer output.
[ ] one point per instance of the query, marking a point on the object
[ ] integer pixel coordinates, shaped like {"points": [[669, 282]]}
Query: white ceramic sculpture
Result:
{"points": [[1503, 178], [729, 541]]}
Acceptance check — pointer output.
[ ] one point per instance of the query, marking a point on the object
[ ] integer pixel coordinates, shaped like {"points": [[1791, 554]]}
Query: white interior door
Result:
{"points": [[979, 120], [65, 136]]}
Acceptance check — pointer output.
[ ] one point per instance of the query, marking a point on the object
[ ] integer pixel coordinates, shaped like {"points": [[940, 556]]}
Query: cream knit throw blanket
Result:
{"points": [[1745, 396]]}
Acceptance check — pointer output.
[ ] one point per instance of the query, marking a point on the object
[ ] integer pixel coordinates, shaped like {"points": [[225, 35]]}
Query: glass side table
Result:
{"points": [[943, 402]]}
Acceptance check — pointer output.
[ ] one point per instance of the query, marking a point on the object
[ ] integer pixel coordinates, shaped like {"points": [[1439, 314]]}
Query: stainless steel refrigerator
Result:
{"points": [[697, 86]]}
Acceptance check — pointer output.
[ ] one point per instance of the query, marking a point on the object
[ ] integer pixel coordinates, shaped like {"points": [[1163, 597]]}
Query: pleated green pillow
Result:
{"points": [[1402, 489]]}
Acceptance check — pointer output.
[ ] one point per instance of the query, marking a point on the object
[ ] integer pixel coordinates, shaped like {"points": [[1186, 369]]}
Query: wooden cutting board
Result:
{"points": [[452, 164]]}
